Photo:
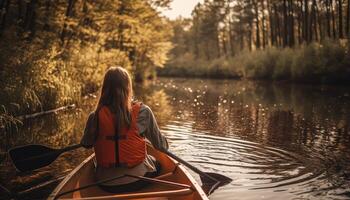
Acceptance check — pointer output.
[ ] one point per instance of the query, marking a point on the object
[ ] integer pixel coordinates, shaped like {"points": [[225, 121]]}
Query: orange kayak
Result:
{"points": [[174, 182]]}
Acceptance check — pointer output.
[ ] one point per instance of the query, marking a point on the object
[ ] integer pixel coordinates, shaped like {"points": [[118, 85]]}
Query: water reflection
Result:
{"points": [[55, 131], [274, 140], [306, 125]]}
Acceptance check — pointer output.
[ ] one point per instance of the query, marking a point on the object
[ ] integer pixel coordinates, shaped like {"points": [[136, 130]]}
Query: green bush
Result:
{"points": [[327, 62], [188, 66], [35, 79], [36, 76]]}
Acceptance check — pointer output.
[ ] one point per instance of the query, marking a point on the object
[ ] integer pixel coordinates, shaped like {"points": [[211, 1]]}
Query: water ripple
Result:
{"points": [[254, 167]]}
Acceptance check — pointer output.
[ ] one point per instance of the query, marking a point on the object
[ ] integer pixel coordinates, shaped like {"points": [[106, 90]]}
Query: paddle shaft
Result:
{"points": [[193, 168]]}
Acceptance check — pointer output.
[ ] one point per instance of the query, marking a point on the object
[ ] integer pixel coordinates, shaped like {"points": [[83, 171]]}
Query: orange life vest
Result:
{"points": [[124, 149]]}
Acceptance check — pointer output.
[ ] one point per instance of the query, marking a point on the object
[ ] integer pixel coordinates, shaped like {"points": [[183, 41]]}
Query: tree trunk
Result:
{"points": [[333, 20], [250, 39], [29, 22], [232, 42], [319, 20], [240, 35], [348, 20], [224, 46], [68, 14], [300, 24], [291, 24], [5, 5], [278, 26], [328, 16], [263, 23], [47, 15], [20, 13], [231, 36], [257, 24], [218, 45], [306, 21], [313, 22], [271, 23], [340, 15], [285, 24]]}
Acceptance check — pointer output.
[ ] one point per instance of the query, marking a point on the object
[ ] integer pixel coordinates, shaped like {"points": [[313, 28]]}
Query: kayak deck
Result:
{"points": [[176, 183]]}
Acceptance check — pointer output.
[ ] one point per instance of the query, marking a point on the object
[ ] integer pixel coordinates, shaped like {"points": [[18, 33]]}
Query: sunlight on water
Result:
{"points": [[275, 141], [272, 144]]}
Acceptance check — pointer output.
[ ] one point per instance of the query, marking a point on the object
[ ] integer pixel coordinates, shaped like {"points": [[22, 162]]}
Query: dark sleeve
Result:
{"points": [[148, 128], [90, 132]]}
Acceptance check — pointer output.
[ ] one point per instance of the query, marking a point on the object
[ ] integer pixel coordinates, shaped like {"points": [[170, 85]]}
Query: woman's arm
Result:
{"points": [[90, 131], [148, 127]]}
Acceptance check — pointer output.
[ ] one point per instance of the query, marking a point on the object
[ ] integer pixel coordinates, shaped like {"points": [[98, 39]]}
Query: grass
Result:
{"points": [[328, 62], [36, 76], [188, 66], [7, 121]]}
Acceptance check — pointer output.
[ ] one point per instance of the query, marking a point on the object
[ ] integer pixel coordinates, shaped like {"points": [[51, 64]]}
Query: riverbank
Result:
{"points": [[35, 79], [324, 63], [53, 53]]}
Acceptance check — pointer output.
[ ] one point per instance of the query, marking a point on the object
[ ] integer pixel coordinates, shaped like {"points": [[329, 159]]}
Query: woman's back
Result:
{"points": [[117, 130]]}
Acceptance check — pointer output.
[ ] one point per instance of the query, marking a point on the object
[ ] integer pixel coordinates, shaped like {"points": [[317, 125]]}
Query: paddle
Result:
{"points": [[215, 180], [34, 156]]}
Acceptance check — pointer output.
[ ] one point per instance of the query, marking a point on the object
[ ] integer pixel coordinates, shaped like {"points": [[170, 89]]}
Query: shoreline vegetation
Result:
{"points": [[52, 53], [327, 62], [299, 41]]}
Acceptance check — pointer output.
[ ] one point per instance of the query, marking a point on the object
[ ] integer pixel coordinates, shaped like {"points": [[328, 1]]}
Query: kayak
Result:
{"points": [[174, 182]]}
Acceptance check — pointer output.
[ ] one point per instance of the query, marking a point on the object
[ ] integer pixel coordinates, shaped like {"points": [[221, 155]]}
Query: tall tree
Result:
{"points": [[348, 20], [263, 23], [300, 22], [257, 27], [285, 24], [306, 21], [291, 23], [271, 23], [340, 18], [4, 7], [333, 19], [328, 15], [69, 11]]}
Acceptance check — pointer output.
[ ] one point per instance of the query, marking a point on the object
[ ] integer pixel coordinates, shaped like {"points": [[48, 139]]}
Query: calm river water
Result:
{"points": [[275, 140]]}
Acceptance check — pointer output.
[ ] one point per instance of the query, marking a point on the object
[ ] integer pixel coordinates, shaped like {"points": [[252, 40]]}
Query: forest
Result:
{"points": [[54, 52], [298, 40]]}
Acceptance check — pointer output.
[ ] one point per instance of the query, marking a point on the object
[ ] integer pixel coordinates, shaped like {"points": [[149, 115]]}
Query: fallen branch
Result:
{"points": [[23, 117]]}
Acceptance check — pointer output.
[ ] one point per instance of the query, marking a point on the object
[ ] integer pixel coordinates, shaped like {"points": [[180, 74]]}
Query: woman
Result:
{"points": [[117, 130]]}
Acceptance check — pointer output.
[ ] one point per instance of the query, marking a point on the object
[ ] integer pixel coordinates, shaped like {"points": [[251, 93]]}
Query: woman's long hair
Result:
{"points": [[116, 94]]}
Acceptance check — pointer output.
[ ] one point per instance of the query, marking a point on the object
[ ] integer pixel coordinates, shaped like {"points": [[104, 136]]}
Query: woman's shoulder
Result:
{"points": [[145, 111], [143, 107]]}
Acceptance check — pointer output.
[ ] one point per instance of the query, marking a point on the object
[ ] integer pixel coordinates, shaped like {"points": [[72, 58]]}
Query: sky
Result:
{"points": [[181, 7]]}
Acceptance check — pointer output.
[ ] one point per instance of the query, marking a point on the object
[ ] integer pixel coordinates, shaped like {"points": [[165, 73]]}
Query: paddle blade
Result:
{"points": [[209, 185], [31, 157], [219, 177]]}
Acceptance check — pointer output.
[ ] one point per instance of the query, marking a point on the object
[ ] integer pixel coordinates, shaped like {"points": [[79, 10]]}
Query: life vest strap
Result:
{"points": [[113, 165], [116, 137]]}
